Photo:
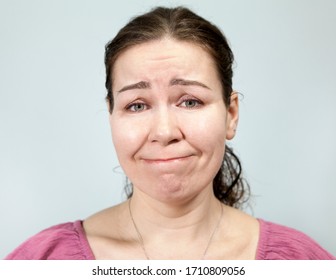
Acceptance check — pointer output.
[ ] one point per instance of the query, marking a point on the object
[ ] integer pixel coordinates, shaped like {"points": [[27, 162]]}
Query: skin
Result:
{"points": [[172, 147], [169, 126]]}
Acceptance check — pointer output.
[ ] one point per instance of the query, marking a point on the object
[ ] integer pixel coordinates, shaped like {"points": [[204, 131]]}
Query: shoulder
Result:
{"points": [[277, 242], [65, 241]]}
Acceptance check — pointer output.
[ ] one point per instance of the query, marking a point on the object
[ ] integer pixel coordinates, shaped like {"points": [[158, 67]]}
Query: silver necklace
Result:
{"points": [[142, 244]]}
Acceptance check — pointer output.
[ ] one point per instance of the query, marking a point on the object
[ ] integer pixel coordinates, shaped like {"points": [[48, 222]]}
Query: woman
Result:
{"points": [[172, 108]]}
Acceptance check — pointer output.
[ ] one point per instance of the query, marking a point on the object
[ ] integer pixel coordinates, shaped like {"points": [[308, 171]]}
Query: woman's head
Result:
{"points": [[182, 25]]}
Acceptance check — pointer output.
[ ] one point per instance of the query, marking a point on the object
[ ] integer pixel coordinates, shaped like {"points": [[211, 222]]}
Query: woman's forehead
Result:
{"points": [[165, 57]]}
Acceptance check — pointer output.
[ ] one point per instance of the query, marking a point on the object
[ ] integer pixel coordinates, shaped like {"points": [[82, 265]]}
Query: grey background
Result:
{"points": [[57, 161]]}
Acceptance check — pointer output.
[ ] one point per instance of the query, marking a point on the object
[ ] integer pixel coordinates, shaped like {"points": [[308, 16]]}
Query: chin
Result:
{"points": [[174, 193], [169, 189]]}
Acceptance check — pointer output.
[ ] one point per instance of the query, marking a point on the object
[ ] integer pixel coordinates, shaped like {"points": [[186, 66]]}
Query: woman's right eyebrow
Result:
{"points": [[139, 85]]}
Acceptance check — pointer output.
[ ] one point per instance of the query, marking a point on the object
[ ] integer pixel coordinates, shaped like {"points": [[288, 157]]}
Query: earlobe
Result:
{"points": [[232, 116]]}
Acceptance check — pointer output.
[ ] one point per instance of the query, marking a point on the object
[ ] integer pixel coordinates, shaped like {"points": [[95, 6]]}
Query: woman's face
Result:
{"points": [[169, 122]]}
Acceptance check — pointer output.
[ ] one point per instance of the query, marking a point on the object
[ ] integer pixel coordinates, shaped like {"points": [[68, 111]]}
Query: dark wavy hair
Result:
{"points": [[183, 25]]}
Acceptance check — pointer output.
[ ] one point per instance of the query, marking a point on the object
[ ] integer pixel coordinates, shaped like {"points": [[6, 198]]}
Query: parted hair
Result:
{"points": [[182, 24]]}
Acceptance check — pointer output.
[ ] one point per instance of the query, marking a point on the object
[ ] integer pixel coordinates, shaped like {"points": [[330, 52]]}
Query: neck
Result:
{"points": [[162, 226]]}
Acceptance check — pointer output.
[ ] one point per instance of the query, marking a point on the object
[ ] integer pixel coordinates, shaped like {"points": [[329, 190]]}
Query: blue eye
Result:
{"points": [[136, 107], [191, 103]]}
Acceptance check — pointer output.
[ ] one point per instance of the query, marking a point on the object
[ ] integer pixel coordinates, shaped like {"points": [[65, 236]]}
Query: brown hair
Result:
{"points": [[182, 24]]}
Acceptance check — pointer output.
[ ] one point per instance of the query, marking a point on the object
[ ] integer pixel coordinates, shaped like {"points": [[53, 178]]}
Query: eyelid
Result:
{"points": [[190, 98], [184, 98], [137, 102]]}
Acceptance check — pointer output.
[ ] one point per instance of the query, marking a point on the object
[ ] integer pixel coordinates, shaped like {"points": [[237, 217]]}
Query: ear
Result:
{"points": [[232, 116]]}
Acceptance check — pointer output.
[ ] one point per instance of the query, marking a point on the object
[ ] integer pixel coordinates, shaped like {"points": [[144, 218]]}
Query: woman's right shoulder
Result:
{"points": [[107, 231], [106, 222], [64, 241]]}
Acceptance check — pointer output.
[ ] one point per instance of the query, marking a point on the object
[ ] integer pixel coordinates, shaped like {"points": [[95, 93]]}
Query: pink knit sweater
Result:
{"points": [[68, 242]]}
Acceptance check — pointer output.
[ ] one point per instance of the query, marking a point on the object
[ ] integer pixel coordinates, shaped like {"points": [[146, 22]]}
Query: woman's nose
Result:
{"points": [[164, 128]]}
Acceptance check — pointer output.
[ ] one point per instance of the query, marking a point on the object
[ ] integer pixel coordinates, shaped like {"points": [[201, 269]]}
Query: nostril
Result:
{"points": [[165, 128], [173, 141], [168, 142]]}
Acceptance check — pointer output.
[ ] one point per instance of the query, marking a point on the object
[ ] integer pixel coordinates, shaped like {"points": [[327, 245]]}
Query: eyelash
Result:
{"points": [[190, 99], [131, 107]]}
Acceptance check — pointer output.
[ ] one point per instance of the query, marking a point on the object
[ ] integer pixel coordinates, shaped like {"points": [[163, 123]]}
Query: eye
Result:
{"points": [[136, 107], [190, 103]]}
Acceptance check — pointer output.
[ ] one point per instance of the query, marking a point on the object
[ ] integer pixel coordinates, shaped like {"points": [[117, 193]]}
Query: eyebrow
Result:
{"points": [[173, 82], [184, 82], [139, 85]]}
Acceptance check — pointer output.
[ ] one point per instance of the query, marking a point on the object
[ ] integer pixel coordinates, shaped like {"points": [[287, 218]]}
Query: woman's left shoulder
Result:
{"points": [[279, 242]]}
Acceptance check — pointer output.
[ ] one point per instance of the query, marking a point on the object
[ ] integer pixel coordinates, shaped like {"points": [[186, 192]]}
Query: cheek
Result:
{"points": [[208, 130], [127, 137]]}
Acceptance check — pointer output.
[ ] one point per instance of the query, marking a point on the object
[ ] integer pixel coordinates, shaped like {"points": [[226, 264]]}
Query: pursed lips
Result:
{"points": [[165, 159]]}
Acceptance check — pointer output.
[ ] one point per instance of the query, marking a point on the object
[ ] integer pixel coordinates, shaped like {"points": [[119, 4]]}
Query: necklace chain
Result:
{"points": [[141, 241], [137, 230]]}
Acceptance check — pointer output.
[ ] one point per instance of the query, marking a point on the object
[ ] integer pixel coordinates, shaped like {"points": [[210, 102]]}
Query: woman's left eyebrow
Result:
{"points": [[184, 82]]}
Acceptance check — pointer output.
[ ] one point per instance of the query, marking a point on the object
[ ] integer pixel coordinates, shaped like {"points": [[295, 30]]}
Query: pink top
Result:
{"points": [[68, 242]]}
